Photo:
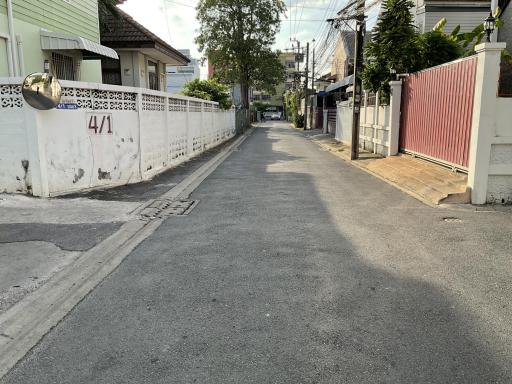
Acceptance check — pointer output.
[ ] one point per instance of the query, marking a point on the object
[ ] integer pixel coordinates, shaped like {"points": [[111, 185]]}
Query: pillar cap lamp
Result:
{"points": [[392, 72], [489, 26]]}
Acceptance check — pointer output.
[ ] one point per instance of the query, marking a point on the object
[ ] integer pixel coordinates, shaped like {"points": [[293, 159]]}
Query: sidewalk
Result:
{"points": [[40, 237], [426, 181]]}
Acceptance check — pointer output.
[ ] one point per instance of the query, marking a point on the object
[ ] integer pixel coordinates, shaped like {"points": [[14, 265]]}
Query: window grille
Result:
{"points": [[65, 67], [153, 75]]}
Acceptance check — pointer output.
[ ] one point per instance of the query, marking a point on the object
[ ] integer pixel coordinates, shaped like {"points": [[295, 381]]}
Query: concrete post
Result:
{"points": [[395, 104], [190, 134], [169, 133], [140, 118], [36, 172], [338, 121], [483, 123], [376, 117], [325, 122]]}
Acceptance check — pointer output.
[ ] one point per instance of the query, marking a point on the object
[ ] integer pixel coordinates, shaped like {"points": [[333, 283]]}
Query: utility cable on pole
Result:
{"points": [[357, 83], [312, 85], [313, 70]]}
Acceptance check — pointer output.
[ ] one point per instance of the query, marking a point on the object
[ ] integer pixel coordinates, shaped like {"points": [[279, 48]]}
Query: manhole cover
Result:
{"points": [[452, 220], [164, 208]]}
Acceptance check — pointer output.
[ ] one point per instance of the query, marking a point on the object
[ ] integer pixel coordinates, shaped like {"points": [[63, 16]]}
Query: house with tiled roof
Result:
{"points": [[343, 59], [143, 56]]}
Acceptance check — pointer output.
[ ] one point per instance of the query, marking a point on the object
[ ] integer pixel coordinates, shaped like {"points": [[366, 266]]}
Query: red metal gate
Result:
{"points": [[437, 109]]}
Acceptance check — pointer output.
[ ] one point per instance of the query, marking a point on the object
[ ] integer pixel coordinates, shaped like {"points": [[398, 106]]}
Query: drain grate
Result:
{"points": [[160, 209]]}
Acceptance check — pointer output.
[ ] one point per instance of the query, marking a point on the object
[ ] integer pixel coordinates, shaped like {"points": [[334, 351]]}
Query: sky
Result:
{"points": [[175, 21]]}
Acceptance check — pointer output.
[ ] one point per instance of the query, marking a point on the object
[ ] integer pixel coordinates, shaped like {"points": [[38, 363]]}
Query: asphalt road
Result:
{"points": [[296, 267]]}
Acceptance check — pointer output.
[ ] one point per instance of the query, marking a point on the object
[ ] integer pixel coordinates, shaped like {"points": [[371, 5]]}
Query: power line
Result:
{"points": [[300, 17], [167, 20], [178, 3]]}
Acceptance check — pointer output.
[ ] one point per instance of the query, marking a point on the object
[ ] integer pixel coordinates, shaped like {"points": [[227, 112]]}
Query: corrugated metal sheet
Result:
{"points": [[54, 41], [437, 109]]}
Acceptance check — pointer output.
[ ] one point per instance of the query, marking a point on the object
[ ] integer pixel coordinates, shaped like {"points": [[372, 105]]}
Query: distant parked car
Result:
{"points": [[275, 116]]}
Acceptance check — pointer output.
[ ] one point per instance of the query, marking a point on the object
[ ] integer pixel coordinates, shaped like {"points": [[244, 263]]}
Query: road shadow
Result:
{"points": [[269, 280]]}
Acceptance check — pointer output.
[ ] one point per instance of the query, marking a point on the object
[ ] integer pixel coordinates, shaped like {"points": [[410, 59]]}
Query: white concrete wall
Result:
{"points": [[499, 187], [13, 140], [150, 132], [344, 120], [490, 166]]}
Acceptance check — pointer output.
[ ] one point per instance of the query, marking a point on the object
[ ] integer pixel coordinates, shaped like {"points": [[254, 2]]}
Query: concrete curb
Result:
{"points": [[24, 324]]}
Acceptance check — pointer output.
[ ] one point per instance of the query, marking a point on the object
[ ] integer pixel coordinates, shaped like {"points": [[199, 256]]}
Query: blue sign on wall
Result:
{"points": [[68, 106]]}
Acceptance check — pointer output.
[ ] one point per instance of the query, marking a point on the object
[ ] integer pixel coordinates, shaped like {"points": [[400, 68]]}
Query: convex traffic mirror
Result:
{"points": [[41, 91]]}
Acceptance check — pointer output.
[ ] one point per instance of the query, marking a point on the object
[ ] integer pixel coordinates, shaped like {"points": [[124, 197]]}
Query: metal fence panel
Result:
{"points": [[437, 110]]}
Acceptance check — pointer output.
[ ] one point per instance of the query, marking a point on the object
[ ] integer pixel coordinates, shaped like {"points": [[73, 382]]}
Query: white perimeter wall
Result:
{"points": [[499, 188], [344, 120], [149, 132]]}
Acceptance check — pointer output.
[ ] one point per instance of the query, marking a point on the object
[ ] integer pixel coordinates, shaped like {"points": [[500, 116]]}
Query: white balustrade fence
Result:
{"points": [[378, 124], [374, 125], [101, 136]]}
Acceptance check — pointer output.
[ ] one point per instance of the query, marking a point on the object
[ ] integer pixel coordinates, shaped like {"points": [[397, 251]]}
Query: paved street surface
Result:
{"points": [[296, 267], [39, 237]]}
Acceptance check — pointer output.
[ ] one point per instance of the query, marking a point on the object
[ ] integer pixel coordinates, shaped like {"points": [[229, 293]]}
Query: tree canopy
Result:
{"points": [[393, 45], [208, 90], [396, 44], [236, 36]]}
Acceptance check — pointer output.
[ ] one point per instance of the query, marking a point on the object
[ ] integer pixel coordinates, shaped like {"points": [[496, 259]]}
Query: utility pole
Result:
{"points": [[306, 85], [297, 58], [312, 85], [358, 61], [313, 71]]}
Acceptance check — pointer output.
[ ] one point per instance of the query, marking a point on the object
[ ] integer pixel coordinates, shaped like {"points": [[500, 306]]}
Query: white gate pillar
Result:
{"points": [[395, 104], [484, 118]]}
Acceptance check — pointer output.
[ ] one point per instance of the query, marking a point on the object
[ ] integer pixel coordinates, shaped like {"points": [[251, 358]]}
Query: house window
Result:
{"points": [[111, 71], [65, 67], [153, 75], [186, 70]]}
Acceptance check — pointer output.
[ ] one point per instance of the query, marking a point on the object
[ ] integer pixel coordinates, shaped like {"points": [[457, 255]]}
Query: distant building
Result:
{"points": [[288, 60], [343, 60], [177, 76]]}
